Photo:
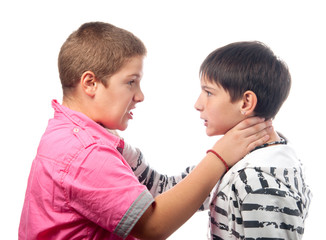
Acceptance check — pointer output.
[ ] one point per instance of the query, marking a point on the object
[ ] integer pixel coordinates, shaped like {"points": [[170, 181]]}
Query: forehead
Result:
{"points": [[214, 87], [132, 66], [131, 69]]}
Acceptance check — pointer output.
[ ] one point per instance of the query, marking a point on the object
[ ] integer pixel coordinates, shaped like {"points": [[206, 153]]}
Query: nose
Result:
{"points": [[139, 96], [198, 105]]}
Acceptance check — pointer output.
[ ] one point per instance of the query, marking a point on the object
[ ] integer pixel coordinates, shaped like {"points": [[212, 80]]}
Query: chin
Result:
{"points": [[123, 127], [120, 127], [211, 133]]}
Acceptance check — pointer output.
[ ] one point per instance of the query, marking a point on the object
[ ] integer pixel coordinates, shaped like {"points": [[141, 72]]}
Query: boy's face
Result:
{"points": [[216, 109], [115, 102]]}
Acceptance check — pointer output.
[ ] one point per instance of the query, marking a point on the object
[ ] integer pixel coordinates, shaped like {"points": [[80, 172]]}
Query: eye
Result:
{"points": [[208, 93], [131, 82]]}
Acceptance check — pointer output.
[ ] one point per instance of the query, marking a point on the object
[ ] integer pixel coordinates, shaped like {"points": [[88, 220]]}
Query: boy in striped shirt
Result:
{"points": [[263, 196]]}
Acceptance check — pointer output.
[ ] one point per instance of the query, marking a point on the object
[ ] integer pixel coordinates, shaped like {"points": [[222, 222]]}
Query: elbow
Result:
{"points": [[153, 238], [153, 226], [155, 232], [158, 234]]}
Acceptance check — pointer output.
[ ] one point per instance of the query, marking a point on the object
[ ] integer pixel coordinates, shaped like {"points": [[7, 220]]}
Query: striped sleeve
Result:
{"points": [[271, 214], [274, 209], [155, 182]]}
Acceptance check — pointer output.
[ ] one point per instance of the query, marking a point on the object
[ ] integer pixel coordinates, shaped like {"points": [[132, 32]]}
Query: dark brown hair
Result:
{"points": [[242, 66]]}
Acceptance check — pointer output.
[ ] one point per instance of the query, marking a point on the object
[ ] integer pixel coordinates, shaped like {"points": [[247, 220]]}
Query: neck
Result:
{"points": [[73, 103], [274, 137]]}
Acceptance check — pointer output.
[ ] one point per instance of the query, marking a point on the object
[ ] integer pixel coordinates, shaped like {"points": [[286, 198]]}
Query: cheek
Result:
{"points": [[215, 111], [221, 120]]}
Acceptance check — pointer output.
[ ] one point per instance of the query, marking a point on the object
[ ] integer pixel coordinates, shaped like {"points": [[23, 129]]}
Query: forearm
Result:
{"points": [[174, 207], [158, 183], [155, 182]]}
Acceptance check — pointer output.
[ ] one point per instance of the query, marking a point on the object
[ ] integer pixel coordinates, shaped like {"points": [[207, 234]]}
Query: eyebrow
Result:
{"points": [[206, 87], [135, 75]]}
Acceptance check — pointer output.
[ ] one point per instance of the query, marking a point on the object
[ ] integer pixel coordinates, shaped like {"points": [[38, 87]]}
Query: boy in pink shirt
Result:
{"points": [[80, 186]]}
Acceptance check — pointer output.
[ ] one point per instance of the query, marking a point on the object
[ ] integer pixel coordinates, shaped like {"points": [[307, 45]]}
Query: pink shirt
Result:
{"points": [[80, 187]]}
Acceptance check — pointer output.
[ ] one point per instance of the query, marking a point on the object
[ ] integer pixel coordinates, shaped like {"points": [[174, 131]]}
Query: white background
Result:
{"points": [[178, 36]]}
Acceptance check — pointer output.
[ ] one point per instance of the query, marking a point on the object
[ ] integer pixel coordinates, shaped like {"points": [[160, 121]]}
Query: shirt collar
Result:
{"points": [[81, 120]]}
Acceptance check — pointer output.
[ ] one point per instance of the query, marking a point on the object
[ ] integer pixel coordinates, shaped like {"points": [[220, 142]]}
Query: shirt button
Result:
{"points": [[76, 130]]}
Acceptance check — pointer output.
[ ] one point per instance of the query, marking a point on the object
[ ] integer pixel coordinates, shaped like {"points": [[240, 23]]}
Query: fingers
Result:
{"points": [[247, 135], [259, 138], [253, 125], [254, 131], [249, 122]]}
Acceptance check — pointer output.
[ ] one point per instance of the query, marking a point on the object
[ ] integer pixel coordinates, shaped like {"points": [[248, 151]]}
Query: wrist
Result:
{"points": [[219, 157]]}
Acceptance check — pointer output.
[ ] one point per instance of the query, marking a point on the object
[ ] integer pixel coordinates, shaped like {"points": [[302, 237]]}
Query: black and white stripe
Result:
{"points": [[261, 202]]}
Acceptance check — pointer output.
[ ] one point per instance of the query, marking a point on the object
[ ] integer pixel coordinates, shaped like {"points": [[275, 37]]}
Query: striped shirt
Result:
{"points": [[264, 196]]}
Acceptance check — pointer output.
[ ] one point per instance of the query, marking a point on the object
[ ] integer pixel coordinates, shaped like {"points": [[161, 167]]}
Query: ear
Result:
{"points": [[249, 102], [89, 83]]}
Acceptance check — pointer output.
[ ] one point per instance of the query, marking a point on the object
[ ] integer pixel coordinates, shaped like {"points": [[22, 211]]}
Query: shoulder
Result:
{"points": [[74, 148], [277, 186], [267, 181]]}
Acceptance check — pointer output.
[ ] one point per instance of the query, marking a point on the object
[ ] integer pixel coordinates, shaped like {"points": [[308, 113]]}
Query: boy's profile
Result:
{"points": [[264, 195], [80, 185]]}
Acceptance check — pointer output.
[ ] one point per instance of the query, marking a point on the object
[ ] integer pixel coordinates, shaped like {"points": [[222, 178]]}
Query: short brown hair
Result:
{"points": [[242, 66], [98, 47]]}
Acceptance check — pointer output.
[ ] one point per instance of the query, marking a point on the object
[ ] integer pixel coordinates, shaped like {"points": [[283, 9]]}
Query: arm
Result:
{"points": [[266, 215], [174, 207], [155, 182], [276, 206]]}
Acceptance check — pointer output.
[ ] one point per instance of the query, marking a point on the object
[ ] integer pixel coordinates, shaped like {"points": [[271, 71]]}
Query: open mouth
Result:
{"points": [[205, 121], [130, 115]]}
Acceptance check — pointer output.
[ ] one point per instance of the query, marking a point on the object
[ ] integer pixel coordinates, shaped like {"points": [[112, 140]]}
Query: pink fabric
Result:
{"points": [[79, 187]]}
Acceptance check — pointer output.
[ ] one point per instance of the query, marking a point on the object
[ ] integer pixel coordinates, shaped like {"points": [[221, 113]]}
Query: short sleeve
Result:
{"points": [[101, 187]]}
